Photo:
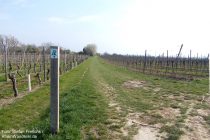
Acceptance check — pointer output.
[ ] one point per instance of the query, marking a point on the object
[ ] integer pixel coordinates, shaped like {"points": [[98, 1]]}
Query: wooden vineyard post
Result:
{"points": [[14, 83], [29, 82], [54, 89], [190, 61], [65, 69], [75, 63], [5, 61], [145, 57], [166, 63], [43, 63], [34, 63]]}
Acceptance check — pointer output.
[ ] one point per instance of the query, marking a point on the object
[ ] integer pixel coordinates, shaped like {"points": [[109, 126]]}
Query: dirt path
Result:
{"points": [[124, 122], [130, 125], [115, 120], [134, 125], [197, 128], [170, 113]]}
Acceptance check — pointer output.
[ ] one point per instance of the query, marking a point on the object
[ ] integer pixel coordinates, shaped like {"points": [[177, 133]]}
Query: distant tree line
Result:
{"points": [[12, 44], [90, 49]]}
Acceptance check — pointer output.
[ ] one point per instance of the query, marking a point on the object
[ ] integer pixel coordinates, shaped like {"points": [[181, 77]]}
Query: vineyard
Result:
{"points": [[101, 99], [104, 70], [102, 96], [175, 67], [15, 68]]}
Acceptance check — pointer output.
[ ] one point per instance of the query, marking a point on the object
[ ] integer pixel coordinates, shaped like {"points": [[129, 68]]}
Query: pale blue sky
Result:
{"points": [[115, 26]]}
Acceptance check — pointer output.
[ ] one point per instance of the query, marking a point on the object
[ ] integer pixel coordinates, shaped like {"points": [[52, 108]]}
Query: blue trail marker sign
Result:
{"points": [[54, 53], [54, 89]]}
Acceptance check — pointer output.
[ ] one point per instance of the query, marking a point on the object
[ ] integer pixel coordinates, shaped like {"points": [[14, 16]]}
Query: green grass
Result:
{"points": [[84, 110], [81, 108], [2, 77], [27, 110], [145, 99], [115, 76], [174, 132], [22, 85]]}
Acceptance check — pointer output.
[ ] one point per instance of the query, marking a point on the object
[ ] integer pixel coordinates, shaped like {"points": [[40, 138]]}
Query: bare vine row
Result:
{"points": [[175, 67]]}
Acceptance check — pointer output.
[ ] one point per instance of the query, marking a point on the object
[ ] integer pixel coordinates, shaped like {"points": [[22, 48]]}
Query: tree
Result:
{"points": [[47, 46], [8, 42], [2, 43], [81, 52], [12, 43], [30, 48], [90, 49]]}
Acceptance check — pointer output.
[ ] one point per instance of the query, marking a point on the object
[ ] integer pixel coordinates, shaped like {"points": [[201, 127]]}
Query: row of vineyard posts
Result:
{"points": [[21, 67], [174, 67]]}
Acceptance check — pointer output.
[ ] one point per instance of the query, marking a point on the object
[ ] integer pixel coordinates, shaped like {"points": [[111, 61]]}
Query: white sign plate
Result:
{"points": [[54, 53]]}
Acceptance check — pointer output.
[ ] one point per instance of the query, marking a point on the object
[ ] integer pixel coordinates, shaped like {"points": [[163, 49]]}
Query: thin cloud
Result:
{"points": [[67, 20], [58, 20], [88, 18]]}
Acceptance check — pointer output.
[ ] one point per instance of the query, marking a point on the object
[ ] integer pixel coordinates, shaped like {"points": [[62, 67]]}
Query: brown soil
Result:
{"points": [[140, 122], [135, 125], [203, 112], [156, 89], [147, 133], [198, 129], [115, 110], [138, 125], [134, 84], [169, 113]]}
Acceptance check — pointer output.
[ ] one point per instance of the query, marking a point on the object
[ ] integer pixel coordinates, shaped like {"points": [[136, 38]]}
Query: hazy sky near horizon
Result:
{"points": [[115, 26]]}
